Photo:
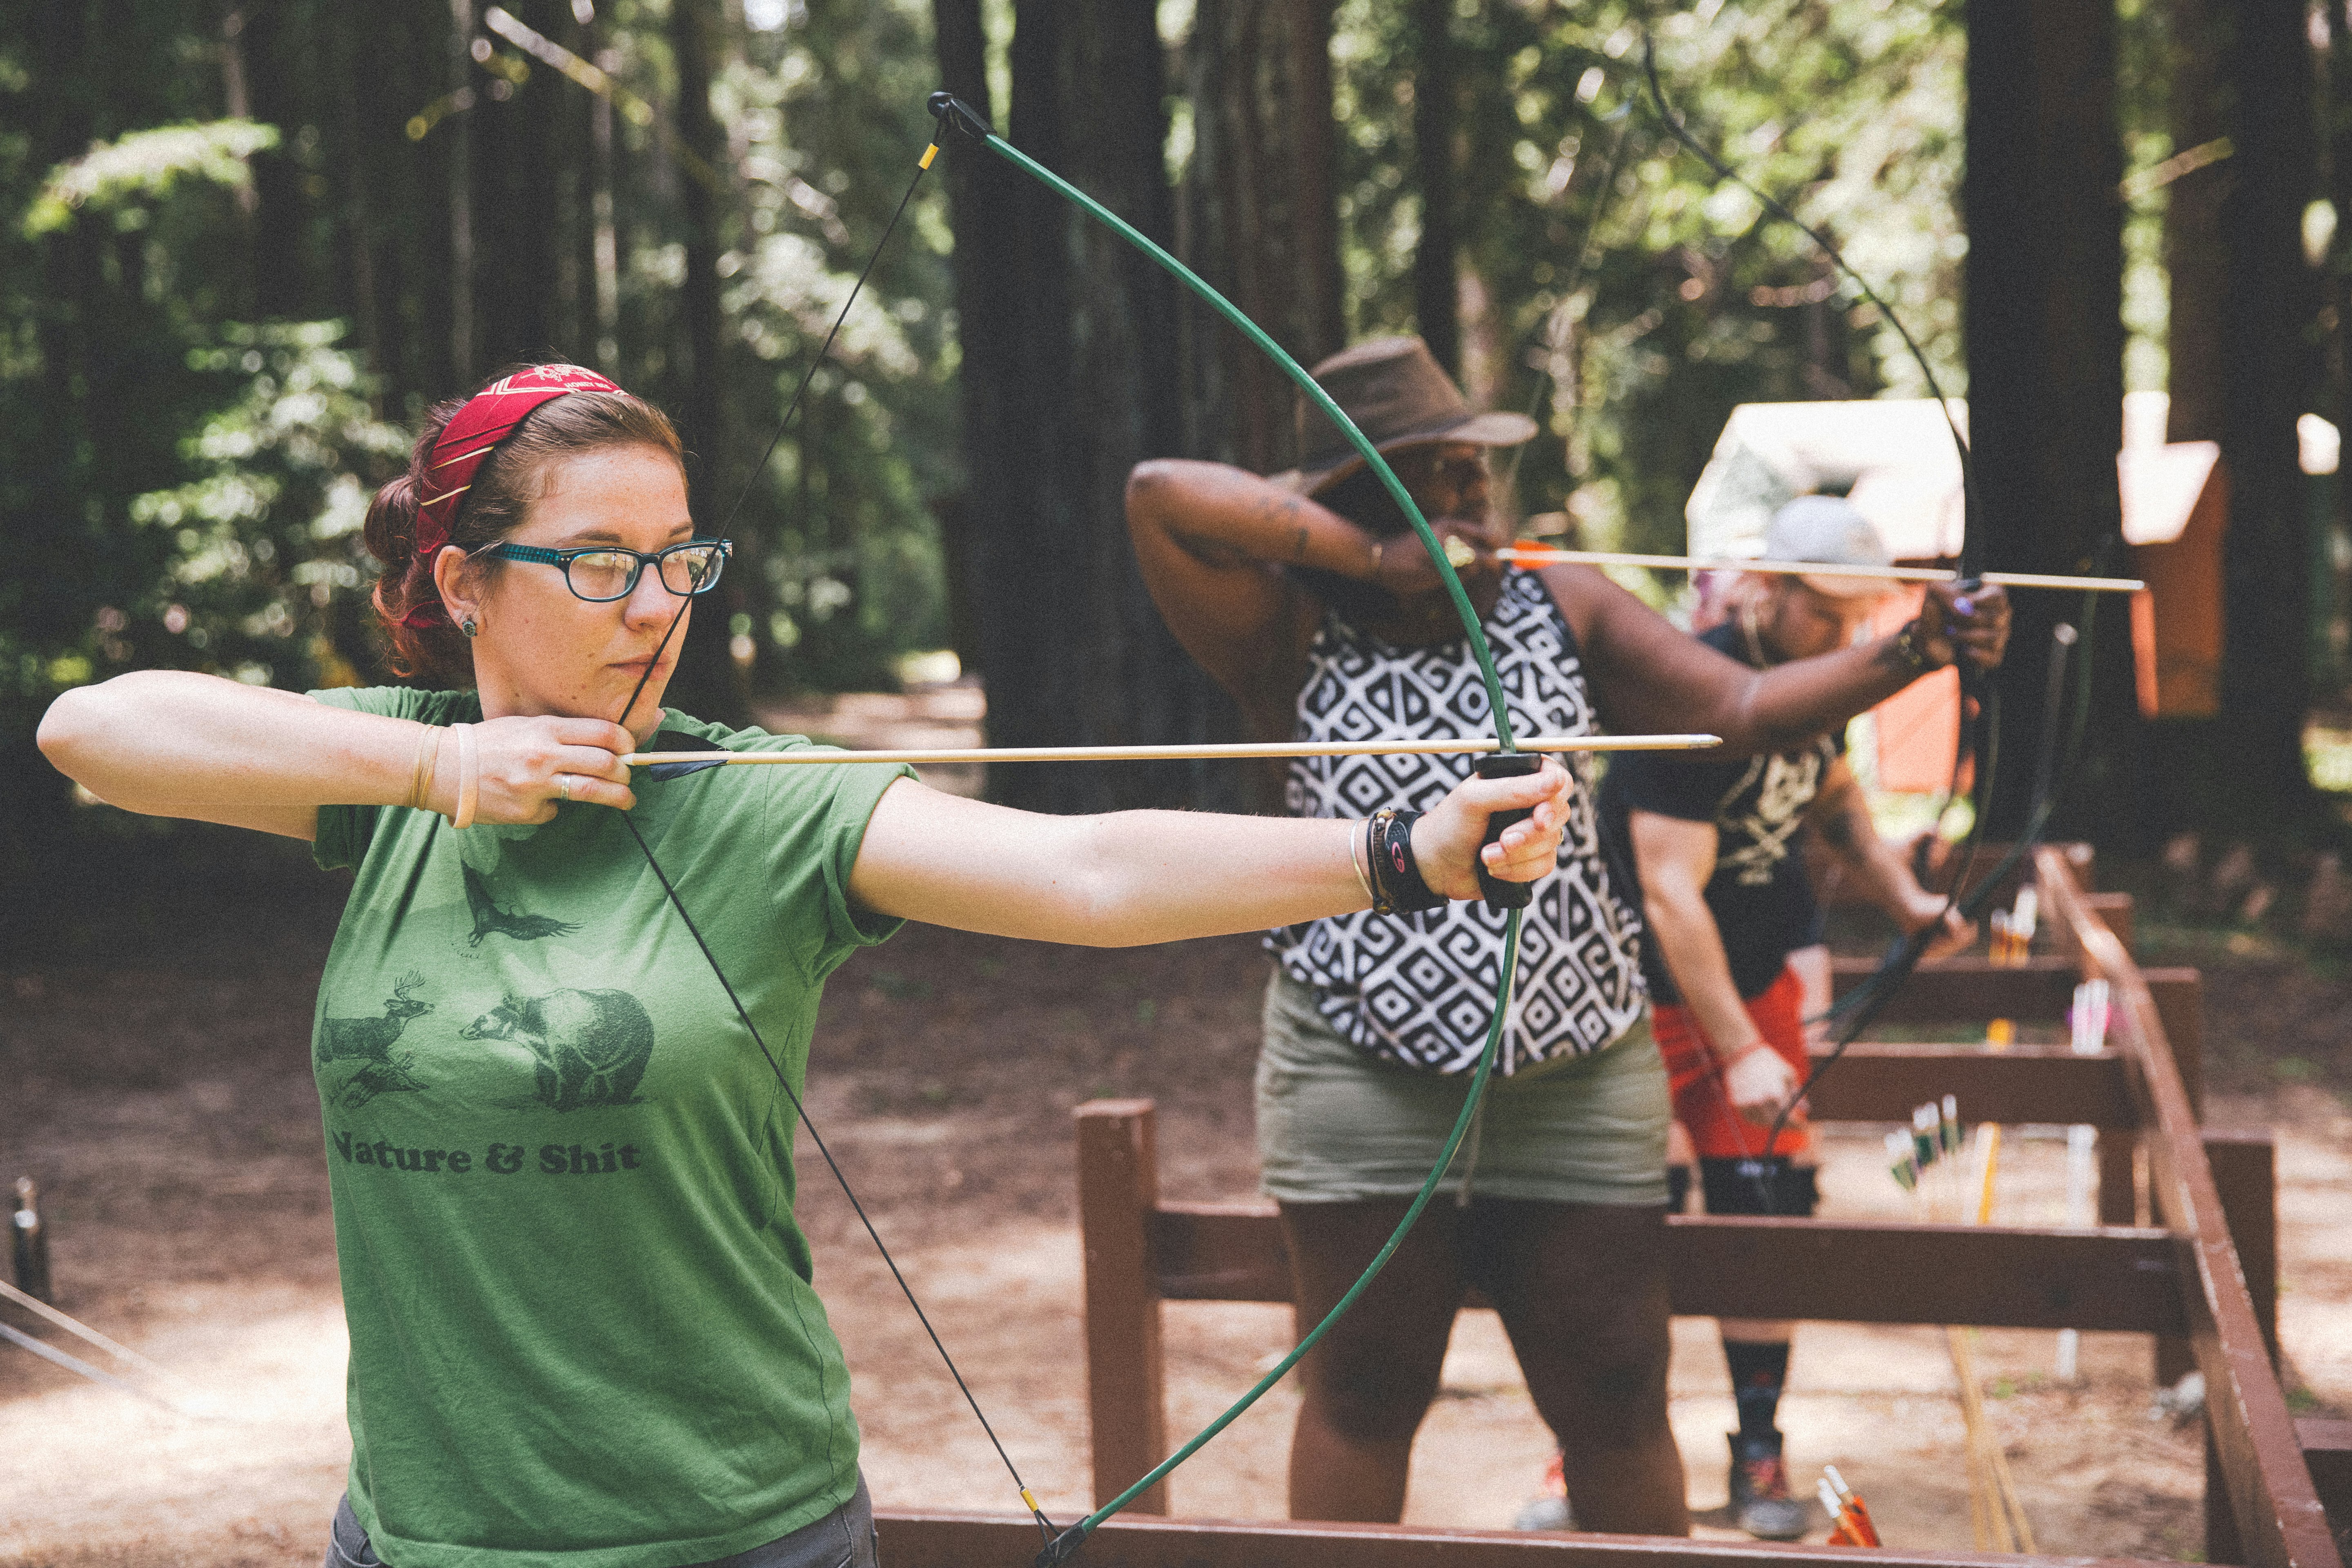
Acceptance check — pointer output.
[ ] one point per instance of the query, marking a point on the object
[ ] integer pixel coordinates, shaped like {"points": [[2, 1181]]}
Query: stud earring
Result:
{"points": [[468, 628]]}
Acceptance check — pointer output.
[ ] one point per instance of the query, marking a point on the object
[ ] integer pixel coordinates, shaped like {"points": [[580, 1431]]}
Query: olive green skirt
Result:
{"points": [[1334, 1125]]}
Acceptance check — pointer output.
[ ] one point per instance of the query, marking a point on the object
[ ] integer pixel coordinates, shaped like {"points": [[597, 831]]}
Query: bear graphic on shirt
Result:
{"points": [[590, 1047]]}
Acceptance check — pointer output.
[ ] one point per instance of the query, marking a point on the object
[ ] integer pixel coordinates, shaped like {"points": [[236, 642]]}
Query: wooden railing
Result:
{"points": [[2162, 1263]]}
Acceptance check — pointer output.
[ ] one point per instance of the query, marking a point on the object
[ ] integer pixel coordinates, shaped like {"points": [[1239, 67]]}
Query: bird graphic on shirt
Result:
{"points": [[489, 917]]}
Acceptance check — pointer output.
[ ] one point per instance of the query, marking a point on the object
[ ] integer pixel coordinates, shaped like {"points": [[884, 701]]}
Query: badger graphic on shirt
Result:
{"points": [[590, 1046]]}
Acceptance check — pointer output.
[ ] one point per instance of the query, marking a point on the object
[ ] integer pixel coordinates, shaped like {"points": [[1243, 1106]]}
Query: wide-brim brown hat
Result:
{"points": [[1395, 390]]}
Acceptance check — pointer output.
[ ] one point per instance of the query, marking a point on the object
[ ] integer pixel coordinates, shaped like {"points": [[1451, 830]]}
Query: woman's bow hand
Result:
{"points": [[1959, 622], [1446, 841]]}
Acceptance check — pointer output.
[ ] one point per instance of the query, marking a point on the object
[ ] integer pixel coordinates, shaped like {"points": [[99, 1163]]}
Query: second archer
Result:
{"points": [[1306, 598]]}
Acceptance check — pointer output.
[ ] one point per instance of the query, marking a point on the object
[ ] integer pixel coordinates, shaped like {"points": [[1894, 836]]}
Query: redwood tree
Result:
{"points": [[1260, 220], [2242, 368], [1083, 359], [2044, 338]]}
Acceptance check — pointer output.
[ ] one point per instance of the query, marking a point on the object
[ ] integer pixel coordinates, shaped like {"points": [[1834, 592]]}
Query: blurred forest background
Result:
{"points": [[244, 243]]}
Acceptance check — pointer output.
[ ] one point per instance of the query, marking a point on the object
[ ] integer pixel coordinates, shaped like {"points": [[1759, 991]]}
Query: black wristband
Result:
{"points": [[1397, 885]]}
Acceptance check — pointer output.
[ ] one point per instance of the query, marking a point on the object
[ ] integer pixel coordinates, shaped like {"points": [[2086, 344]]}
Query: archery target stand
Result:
{"points": [[2193, 1264]]}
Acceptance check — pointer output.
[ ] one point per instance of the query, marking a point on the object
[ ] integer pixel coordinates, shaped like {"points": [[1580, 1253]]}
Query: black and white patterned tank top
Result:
{"points": [[1419, 990]]}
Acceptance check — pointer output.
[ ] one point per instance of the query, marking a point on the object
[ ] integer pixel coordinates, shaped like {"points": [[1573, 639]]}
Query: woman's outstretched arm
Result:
{"points": [[175, 743], [1136, 877], [1649, 676]]}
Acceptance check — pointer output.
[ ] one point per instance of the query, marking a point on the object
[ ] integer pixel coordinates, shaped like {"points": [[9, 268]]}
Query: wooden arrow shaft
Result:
{"points": [[1544, 555], [1231, 749]]}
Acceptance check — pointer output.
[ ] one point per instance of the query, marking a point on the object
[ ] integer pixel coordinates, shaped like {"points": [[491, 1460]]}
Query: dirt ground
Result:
{"points": [[153, 1078]]}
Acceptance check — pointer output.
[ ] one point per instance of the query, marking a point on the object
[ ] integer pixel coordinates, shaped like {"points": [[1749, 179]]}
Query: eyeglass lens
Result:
{"points": [[601, 575]]}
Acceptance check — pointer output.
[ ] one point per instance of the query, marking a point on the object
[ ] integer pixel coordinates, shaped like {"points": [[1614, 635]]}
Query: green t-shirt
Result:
{"points": [[581, 1323]]}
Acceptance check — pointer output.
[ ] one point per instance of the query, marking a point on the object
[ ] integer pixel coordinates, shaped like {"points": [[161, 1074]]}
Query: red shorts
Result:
{"points": [[1702, 1104]]}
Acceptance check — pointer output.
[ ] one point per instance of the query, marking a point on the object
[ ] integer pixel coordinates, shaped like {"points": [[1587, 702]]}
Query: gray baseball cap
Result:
{"points": [[1828, 529]]}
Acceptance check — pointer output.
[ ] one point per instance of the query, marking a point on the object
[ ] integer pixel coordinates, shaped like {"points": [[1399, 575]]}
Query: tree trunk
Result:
{"points": [[271, 46], [519, 158], [359, 207], [708, 683], [1072, 648], [605, 245], [2195, 258], [1436, 290], [236, 104], [49, 535], [981, 188], [463, 365], [1260, 221], [2242, 370], [2267, 376], [2045, 340], [2336, 315]]}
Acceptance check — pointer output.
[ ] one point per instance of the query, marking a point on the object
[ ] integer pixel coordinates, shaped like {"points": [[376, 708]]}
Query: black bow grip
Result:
{"points": [[1502, 894]]}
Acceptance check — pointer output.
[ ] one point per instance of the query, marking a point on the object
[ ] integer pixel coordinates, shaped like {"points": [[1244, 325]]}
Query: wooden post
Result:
{"points": [[2114, 912], [2245, 1173], [1119, 1186], [2118, 1150], [2179, 996], [2180, 1002], [2327, 1450], [2118, 1176]]}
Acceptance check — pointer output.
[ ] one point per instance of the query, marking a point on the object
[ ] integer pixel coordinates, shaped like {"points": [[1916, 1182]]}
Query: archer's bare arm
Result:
{"points": [[1841, 814], [175, 743], [1676, 860], [1137, 877], [1211, 540], [1648, 676]]}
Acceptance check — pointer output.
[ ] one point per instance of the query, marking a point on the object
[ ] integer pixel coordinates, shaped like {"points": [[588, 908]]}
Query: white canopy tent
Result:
{"points": [[1894, 459]]}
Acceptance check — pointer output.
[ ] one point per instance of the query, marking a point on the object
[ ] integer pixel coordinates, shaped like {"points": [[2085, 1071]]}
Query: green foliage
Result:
{"points": [[832, 105], [1612, 282], [252, 568], [147, 164], [262, 573]]}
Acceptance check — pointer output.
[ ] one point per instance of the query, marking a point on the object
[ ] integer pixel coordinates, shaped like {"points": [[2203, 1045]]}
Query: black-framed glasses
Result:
{"points": [[603, 573]]}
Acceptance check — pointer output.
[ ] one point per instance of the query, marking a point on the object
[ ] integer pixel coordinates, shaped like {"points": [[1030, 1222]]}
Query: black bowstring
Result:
{"points": [[1865, 1003], [686, 602], [801, 1110], [752, 479], [1575, 278]]}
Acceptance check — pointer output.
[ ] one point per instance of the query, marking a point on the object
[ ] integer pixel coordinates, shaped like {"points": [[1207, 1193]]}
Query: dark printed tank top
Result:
{"points": [[1419, 990]]}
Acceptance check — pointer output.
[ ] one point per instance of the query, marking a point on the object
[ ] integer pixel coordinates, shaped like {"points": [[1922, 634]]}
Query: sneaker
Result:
{"points": [[1550, 1510], [1761, 1503]]}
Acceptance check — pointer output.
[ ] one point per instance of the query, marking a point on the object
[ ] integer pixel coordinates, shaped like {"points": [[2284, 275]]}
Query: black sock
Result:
{"points": [[1758, 1371]]}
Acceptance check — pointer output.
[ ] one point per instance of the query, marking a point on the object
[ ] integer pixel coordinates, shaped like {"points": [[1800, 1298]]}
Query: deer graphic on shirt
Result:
{"points": [[369, 1042]]}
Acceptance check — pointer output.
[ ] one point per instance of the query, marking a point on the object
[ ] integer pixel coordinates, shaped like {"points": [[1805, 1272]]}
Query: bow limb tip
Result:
{"points": [[950, 110], [1062, 1548]]}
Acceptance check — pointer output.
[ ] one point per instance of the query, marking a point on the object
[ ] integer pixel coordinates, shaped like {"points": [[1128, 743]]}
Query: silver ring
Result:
{"points": [[564, 786]]}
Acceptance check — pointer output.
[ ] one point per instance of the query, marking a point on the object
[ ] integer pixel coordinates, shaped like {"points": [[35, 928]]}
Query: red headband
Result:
{"points": [[487, 418]]}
